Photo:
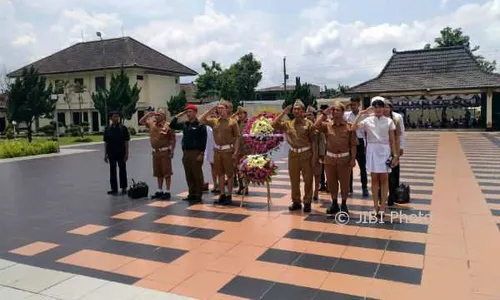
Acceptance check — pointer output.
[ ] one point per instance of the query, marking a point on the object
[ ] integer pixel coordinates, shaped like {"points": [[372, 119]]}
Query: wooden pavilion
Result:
{"points": [[440, 77]]}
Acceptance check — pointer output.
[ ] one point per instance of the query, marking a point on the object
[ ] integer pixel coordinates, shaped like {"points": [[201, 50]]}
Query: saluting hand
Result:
{"points": [[288, 109], [328, 110], [367, 111]]}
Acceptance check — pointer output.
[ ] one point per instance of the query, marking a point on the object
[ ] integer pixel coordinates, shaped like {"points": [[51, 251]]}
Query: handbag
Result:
{"points": [[138, 190], [402, 194]]}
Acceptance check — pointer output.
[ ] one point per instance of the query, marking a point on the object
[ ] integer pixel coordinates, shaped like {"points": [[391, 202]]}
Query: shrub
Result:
{"points": [[19, 149], [9, 132], [86, 126], [83, 140], [132, 131], [48, 130], [74, 130]]}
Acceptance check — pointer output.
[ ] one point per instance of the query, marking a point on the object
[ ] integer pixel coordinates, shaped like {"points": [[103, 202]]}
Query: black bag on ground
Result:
{"points": [[138, 190], [402, 194]]}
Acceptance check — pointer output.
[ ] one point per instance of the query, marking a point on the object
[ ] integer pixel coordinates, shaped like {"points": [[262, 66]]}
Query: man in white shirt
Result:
{"points": [[350, 116], [394, 176]]}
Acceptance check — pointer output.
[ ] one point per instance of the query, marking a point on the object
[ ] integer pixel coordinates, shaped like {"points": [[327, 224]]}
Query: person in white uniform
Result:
{"points": [[209, 156], [380, 144]]}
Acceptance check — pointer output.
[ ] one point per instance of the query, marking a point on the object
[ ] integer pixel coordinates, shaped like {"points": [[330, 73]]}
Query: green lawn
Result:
{"points": [[65, 140]]}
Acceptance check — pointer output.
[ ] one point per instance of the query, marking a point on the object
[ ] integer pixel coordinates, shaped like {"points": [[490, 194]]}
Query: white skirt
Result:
{"points": [[376, 156]]}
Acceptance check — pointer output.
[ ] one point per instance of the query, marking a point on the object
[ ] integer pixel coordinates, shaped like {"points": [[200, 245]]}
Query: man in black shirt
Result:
{"points": [[116, 139], [194, 142]]}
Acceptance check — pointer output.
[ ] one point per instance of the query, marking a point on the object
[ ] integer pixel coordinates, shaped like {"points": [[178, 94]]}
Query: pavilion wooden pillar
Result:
{"points": [[489, 109]]}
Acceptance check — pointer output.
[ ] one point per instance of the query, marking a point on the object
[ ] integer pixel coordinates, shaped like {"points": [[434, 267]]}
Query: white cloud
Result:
{"points": [[24, 40], [321, 51], [323, 10], [444, 3]]}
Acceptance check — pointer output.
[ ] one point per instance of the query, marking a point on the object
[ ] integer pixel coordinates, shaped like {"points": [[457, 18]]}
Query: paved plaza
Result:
{"points": [[64, 238]]}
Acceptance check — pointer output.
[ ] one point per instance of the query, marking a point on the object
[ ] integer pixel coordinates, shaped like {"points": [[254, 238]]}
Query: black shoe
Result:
{"points": [[228, 200], [157, 195], [166, 196], [334, 209], [295, 206], [322, 189], [113, 193], [188, 198], [215, 191], [221, 200], [343, 207], [124, 192], [196, 199], [315, 199], [307, 207], [365, 192]]}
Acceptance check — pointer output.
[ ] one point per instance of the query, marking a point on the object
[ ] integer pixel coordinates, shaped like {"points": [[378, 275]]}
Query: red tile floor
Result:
{"points": [[211, 252]]}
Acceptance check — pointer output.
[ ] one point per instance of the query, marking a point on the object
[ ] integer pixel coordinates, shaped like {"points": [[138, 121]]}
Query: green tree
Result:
{"points": [[120, 97], [456, 37], [302, 92], [79, 88], [177, 104], [229, 88], [65, 88], [236, 83], [208, 83], [29, 99], [333, 92], [247, 76]]}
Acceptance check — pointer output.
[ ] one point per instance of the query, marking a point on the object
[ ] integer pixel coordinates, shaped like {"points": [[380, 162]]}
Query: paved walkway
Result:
{"points": [[444, 244]]}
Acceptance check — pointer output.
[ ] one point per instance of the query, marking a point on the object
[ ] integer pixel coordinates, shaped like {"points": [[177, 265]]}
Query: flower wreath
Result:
{"points": [[259, 136], [257, 168]]}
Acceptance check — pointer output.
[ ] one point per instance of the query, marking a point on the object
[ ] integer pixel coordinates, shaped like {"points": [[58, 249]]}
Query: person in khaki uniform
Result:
{"points": [[319, 141], [162, 140], [241, 116], [226, 149], [301, 155], [340, 158]]}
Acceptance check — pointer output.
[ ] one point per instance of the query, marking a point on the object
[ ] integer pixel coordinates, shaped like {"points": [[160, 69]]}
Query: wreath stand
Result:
{"points": [[268, 186], [269, 201]]}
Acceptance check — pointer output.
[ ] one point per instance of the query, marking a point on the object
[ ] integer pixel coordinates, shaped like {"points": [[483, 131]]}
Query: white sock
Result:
{"points": [[167, 191], [160, 191]]}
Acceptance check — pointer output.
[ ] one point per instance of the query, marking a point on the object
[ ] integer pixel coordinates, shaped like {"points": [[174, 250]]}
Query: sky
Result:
{"points": [[326, 42]]}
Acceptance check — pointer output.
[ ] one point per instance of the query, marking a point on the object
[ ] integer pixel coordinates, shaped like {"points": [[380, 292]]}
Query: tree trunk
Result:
{"points": [[81, 115], [30, 131]]}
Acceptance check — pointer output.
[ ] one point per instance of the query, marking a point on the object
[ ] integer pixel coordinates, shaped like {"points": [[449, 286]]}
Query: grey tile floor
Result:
{"points": [[20, 281]]}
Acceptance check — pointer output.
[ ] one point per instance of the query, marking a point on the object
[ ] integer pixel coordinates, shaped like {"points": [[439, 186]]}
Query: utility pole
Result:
{"points": [[285, 76]]}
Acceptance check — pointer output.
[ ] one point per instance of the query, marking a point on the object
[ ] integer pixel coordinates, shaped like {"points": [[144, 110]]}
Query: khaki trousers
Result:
{"points": [[338, 172], [300, 163], [194, 172]]}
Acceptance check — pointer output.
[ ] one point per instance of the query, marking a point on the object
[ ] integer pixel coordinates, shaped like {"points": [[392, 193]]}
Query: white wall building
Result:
{"points": [[93, 63]]}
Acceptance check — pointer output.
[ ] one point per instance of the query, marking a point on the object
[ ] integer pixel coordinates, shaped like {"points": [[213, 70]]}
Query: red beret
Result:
{"points": [[192, 107]]}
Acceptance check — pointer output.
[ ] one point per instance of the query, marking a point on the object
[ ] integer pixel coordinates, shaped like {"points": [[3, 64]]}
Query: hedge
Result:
{"points": [[19, 149]]}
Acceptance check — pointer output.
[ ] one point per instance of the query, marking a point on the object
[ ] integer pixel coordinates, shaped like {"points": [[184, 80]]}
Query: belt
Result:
{"points": [[162, 149], [300, 150], [223, 147], [337, 155]]}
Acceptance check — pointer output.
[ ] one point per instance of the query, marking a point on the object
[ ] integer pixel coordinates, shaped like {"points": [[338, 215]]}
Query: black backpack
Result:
{"points": [[138, 190], [402, 194]]}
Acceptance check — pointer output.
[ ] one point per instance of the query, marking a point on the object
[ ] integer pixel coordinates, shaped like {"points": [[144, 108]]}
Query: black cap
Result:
{"points": [[114, 112]]}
